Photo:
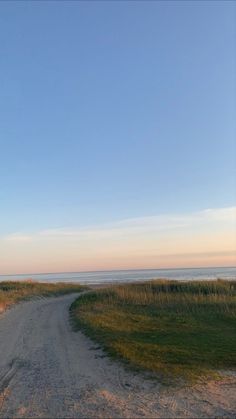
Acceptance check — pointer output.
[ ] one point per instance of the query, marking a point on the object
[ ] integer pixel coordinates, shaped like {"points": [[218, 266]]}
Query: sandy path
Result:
{"points": [[47, 370]]}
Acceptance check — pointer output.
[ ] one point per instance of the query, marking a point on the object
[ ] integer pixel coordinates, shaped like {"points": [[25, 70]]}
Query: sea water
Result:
{"points": [[100, 277]]}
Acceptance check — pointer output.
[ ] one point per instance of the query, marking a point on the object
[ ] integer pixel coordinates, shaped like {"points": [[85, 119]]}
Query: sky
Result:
{"points": [[117, 135]]}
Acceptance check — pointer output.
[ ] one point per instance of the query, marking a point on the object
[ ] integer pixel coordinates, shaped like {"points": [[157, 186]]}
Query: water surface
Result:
{"points": [[99, 277]]}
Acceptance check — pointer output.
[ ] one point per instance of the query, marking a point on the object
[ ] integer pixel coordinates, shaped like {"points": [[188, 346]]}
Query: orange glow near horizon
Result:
{"points": [[203, 239], [131, 264]]}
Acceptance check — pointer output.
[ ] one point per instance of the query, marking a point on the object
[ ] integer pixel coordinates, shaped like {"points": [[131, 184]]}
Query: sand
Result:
{"points": [[48, 370]]}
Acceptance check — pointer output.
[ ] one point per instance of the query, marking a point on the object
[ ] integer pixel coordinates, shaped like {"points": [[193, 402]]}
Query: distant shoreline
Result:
{"points": [[117, 270], [128, 276]]}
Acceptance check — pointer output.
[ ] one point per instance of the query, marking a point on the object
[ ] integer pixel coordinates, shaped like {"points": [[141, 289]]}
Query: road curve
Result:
{"points": [[48, 370]]}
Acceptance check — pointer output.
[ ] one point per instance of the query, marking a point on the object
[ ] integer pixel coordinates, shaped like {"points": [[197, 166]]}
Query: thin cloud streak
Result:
{"points": [[161, 223], [203, 238]]}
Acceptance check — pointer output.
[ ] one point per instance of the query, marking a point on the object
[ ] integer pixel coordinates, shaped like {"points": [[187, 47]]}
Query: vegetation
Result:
{"points": [[176, 329], [12, 292]]}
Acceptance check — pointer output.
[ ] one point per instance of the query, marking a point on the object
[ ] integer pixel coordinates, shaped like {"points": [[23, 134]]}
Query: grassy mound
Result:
{"points": [[12, 292], [185, 329]]}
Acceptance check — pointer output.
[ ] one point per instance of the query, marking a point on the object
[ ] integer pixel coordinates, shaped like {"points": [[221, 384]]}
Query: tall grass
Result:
{"points": [[170, 327], [12, 292]]}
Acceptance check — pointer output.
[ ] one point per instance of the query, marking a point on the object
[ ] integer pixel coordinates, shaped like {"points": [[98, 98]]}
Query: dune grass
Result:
{"points": [[175, 329], [12, 292]]}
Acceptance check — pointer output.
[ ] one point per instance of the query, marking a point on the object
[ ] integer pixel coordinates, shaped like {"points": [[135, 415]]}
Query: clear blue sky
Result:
{"points": [[114, 110]]}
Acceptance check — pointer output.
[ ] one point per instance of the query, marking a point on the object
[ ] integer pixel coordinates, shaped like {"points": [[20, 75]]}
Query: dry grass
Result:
{"points": [[12, 292], [174, 328]]}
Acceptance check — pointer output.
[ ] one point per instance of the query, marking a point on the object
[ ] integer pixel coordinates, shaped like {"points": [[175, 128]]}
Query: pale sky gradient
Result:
{"points": [[205, 238], [117, 135]]}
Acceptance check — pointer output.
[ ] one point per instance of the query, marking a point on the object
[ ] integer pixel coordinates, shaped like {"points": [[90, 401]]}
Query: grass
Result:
{"points": [[175, 329], [12, 292]]}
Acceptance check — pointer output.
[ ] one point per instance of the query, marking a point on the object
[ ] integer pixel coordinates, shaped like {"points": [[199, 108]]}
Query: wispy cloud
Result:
{"points": [[18, 237], [204, 237], [132, 226]]}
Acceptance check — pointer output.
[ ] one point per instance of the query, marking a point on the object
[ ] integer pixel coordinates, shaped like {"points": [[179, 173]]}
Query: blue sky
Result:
{"points": [[115, 110]]}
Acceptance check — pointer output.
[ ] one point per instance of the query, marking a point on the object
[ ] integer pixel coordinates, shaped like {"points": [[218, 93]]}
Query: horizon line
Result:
{"points": [[123, 270]]}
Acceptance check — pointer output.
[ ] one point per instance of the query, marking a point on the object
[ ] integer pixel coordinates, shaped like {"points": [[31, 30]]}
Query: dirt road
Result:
{"points": [[47, 370]]}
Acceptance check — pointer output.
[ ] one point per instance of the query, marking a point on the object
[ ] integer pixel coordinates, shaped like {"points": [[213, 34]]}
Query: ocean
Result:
{"points": [[100, 277]]}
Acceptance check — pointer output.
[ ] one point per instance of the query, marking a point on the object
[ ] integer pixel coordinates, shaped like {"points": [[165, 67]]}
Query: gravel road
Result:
{"points": [[48, 370]]}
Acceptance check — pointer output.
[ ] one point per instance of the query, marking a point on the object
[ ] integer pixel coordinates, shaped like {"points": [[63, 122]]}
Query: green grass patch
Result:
{"points": [[175, 329], [12, 292]]}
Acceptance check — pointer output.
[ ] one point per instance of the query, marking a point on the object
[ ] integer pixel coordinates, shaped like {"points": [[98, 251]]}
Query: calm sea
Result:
{"points": [[128, 275]]}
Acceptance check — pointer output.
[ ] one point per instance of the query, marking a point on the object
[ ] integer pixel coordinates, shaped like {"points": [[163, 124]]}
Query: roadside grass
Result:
{"points": [[176, 329], [12, 292]]}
